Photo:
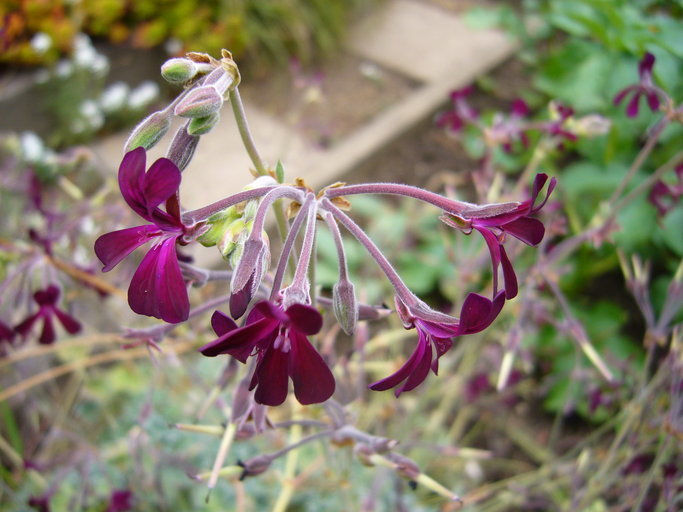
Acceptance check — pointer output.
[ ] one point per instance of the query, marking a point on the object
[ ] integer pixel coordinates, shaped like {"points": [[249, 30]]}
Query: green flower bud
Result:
{"points": [[345, 305], [149, 131], [178, 70], [200, 102], [236, 232], [218, 224], [203, 125]]}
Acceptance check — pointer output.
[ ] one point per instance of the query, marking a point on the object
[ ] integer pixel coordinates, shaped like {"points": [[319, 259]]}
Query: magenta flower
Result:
{"points": [[666, 196], [644, 88], [279, 340], [461, 113], [47, 303], [493, 221], [157, 288], [6, 334], [121, 500], [435, 337]]}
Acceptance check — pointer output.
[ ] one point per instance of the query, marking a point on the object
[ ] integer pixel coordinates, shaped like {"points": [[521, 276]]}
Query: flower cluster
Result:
{"points": [[280, 312]]}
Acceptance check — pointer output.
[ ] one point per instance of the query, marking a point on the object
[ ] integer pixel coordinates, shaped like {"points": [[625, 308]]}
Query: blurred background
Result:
{"points": [[572, 400]]}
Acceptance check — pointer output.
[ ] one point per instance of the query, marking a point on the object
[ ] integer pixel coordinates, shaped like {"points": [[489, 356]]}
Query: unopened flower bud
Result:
{"points": [[149, 131], [405, 467], [178, 70], [235, 233], [203, 125], [255, 465], [345, 305], [182, 147], [218, 223], [200, 102], [590, 126]]}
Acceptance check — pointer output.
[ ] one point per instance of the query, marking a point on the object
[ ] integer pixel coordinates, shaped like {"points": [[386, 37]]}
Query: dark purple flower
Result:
{"points": [[47, 309], [494, 221], [435, 333], [121, 500], [461, 113], [6, 334], [557, 125], [644, 88], [279, 340], [505, 130], [157, 288], [40, 503], [665, 196]]}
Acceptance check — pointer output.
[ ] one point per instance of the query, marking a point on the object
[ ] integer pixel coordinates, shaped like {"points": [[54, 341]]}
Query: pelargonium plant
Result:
{"points": [[274, 311], [283, 312]]}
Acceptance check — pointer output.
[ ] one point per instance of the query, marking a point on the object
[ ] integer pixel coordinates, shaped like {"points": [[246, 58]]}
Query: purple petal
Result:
{"points": [[632, 108], [404, 371], [272, 378], [305, 319], [69, 323], [519, 108], [653, 101], [113, 247], [157, 288], [222, 323], [494, 249], [159, 183], [131, 174], [240, 342], [47, 335], [509, 275], [645, 65], [419, 372], [475, 313], [537, 189], [6, 334], [48, 296], [528, 230], [438, 329], [26, 325], [621, 95], [313, 380]]}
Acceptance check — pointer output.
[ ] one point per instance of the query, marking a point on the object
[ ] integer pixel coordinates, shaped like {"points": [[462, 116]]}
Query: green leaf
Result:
{"points": [[673, 230]]}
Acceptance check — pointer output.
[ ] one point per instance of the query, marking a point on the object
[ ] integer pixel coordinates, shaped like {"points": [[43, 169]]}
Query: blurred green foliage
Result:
{"points": [[258, 32]]}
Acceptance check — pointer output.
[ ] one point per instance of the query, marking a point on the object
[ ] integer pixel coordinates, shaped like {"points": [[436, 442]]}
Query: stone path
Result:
{"points": [[431, 46]]}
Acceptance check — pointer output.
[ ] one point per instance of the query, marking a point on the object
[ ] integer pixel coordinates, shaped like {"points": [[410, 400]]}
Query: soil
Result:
{"points": [[328, 103]]}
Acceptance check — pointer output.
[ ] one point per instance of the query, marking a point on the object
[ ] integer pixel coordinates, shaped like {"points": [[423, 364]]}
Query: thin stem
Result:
{"points": [[640, 159], [201, 214], [339, 244], [404, 293], [301, 274], [273, 195], [444, 203], [287, 247], [243, 127], [224, 447]]}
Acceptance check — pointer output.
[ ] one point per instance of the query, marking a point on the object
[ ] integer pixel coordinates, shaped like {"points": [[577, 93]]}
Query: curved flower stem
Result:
{"points": [[403, 292], [642, 155], [339, 244], [243, 127], [273, 195], [301, 274], [201, 214], [248, 141], [287, 247], [444, 203]]}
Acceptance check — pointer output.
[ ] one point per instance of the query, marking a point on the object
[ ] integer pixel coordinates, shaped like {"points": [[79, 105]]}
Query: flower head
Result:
{"points": [[508, 129], [461, 113], [47, 309], [645, 88], [157, 288], [121, 500], [435, 337], [666, 196], [494, 221], [279, 339]]}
